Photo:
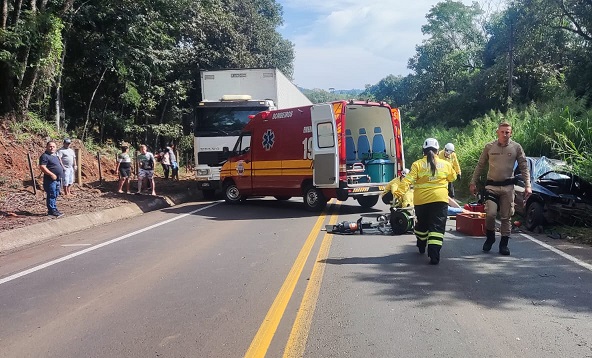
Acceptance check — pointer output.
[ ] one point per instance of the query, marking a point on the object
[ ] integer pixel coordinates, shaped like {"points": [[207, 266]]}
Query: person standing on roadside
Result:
{"points": [[165, 162], [501, 155], [124, 168], [448, 154], [68, 159], [430, 177], [174, 163], [146, 168], [53, 171]]}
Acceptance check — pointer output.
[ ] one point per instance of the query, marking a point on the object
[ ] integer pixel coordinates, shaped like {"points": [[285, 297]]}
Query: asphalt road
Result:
{"points": [[261, 279]]}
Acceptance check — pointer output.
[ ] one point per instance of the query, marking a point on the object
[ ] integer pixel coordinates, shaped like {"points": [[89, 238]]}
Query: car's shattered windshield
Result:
{"points": [[550, 167]]}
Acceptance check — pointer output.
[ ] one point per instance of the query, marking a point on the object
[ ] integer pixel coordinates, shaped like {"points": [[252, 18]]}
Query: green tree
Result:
{"points": [[139, 61], [446, 62], [395, 90], [30, 50]]}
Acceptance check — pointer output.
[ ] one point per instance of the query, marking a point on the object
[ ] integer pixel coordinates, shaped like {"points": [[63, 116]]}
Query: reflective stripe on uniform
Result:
{"points": [[437, 242], [435, 238], [423, 236], [436, 234], [430, 185]]}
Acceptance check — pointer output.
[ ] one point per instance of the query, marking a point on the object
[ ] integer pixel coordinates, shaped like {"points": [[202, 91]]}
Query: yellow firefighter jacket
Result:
{"points": [[452, 160], [406, 200], [427, 188]]}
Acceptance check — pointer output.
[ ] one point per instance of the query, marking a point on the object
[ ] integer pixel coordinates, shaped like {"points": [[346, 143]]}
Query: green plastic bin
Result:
{"points": [[380, 170]]}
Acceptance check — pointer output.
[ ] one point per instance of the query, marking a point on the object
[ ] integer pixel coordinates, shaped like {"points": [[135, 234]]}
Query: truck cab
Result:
{"points": [[218, 124]]}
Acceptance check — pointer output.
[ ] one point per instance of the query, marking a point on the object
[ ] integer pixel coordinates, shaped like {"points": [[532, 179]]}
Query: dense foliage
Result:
{"points": [[108, 70], [118, 69], [530, 63]]}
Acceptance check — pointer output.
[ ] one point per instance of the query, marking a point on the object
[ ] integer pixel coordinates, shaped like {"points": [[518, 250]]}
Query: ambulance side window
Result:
{"points": [[243, 144], [325, 136]]}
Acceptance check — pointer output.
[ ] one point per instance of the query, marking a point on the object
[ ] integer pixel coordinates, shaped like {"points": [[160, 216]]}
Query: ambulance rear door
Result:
{"points": [[324, 147]]}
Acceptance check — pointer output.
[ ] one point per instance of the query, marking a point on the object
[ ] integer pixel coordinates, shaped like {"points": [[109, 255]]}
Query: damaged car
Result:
{"points": [[558, 196]]}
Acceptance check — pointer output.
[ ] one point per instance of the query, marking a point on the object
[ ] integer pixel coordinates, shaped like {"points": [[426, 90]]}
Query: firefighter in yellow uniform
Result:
{"points": [[430, 177], [390, 189], [448, 154]]}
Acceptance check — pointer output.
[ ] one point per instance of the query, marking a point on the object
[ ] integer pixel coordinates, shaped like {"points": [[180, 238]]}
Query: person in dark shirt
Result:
{"points": [[53, 171]]}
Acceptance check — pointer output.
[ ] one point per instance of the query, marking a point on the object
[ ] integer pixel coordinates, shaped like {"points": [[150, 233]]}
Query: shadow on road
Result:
{"points": [[531, 274], [265, 208]]}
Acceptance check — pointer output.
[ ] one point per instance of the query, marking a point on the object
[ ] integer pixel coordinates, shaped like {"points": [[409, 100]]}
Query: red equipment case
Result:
{"points": [[475, 207], [470, 224]]}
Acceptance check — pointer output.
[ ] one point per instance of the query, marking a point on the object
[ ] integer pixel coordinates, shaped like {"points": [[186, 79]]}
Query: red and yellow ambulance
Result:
{"points": [[343, 149]]}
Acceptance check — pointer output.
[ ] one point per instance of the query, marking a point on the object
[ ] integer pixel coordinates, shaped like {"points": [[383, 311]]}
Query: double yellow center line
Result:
{"points": [[297, 339]]}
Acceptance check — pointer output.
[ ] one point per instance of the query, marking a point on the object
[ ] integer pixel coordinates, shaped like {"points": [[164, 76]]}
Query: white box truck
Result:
{"points": [[229, 98]]}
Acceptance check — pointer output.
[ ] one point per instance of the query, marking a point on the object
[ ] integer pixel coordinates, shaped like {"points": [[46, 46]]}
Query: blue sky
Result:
{"points": [[346, 44]]}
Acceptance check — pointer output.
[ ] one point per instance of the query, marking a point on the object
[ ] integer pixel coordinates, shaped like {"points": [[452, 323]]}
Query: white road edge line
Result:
{"points": [[559, 252], [81, 252]]}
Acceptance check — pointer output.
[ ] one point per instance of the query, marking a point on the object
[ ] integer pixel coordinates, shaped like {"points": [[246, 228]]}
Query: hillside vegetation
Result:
{"points": [[104, 71], [559, 130], [112, 71]]}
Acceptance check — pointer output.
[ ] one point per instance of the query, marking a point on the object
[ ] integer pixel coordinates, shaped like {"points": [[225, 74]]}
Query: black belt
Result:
{"points": [[510, 181]]}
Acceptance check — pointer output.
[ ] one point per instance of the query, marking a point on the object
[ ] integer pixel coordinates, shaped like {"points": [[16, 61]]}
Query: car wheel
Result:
{"points": [[282, 197], [368, 201], [534, 215], [232, 194], [314, 200]]}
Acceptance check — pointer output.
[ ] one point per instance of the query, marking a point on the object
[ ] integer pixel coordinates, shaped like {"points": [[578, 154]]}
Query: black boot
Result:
{"points": [[503, 248], [421, 245], [490, 240], [434, 254]]}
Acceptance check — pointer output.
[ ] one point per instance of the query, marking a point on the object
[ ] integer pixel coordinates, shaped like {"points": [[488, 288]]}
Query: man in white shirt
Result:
{"points": [[68, 159]]}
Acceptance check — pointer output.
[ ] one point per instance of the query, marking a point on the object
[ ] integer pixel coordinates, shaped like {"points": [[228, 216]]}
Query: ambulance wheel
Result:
{"points": [[399, 222], [232, 194], [282, 197], [368, 201], [314, 200]]}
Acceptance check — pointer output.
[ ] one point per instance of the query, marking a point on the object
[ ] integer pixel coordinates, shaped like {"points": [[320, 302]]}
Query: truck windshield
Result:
{"points": [[216, 122]]}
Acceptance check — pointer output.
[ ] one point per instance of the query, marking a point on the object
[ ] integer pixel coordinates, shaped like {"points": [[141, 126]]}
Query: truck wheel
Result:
{"points": [[314, 200], [282, 197], [209, 194], [533, 215], [368, 201], [232, 194]]}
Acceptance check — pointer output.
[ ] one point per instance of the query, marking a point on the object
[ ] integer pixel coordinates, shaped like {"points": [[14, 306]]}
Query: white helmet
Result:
{"points": [[449, 147], [431, 143], [405, 172]]}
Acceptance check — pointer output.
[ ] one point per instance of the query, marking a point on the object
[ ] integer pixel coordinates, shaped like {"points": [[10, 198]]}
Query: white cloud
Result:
{"points": [[342, 67], [346, 44]]}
